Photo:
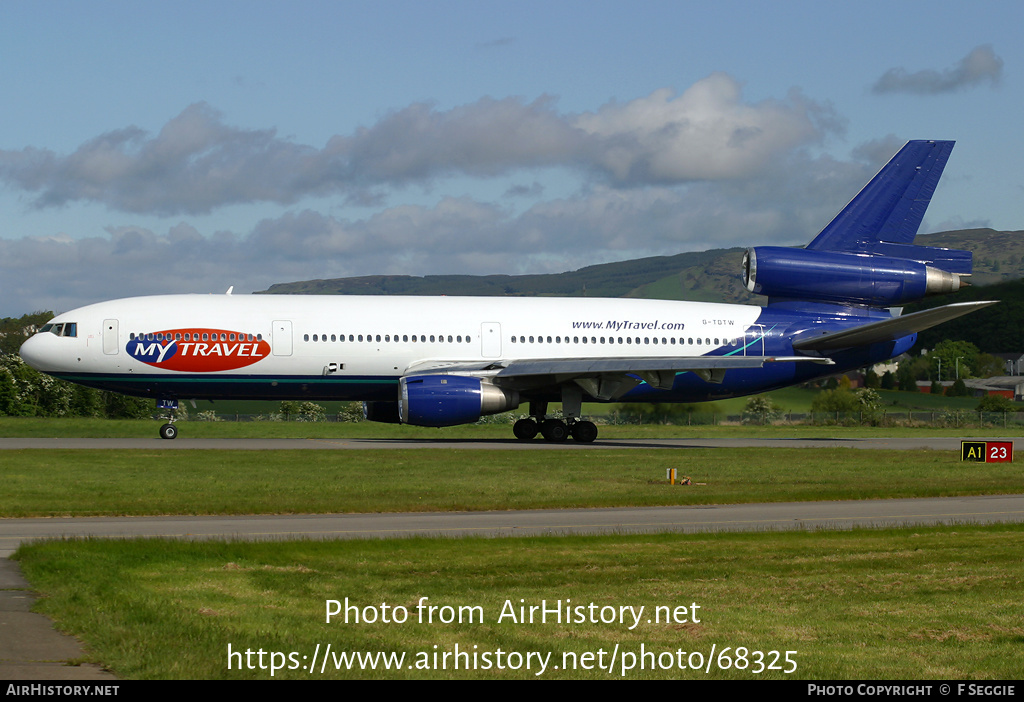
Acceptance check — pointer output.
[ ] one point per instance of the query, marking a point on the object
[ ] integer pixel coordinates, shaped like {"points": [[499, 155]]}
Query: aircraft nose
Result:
{"points": [[35, 352]]}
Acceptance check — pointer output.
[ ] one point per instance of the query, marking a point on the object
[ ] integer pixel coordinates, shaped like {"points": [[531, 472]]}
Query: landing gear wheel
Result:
{"points": [[554, 430], [525, 429], [168, 431], [584, 432]]}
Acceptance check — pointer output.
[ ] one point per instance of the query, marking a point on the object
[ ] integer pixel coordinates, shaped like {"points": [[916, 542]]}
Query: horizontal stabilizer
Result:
{"points": [[888, 329]]}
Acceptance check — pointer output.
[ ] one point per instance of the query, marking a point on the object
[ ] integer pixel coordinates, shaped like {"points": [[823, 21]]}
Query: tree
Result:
{"points": [[871, 379], [118, 406], [954, 355], [14, 331], [986, 365], [906, 380], [888, 381], [958, 389]]}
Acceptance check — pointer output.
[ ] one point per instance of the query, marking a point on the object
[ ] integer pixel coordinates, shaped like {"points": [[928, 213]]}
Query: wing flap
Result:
{"points": [[639, 366]]}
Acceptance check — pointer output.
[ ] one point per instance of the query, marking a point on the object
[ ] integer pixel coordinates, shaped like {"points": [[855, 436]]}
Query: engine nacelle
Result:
{"points": [[447, 400], [378, 411], [831, 276]]}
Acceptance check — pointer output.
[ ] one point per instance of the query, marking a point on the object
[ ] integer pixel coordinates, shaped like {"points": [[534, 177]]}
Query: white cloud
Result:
{"points": [[197, 164], [707, 133], [657, 175], [457, 235]]}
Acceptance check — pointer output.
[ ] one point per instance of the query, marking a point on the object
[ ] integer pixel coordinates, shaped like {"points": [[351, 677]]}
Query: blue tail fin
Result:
{"points": [[866, 256], [889, 208]]}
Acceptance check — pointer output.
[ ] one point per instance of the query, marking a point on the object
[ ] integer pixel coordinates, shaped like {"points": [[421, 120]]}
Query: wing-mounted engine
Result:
{"points": [[447, 400], [845, 278]]}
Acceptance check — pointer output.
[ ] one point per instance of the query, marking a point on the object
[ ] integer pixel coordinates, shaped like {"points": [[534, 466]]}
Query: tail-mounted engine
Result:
{"points": [[853, 278]]}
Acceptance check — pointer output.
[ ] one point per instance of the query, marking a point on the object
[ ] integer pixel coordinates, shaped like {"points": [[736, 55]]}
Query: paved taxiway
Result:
{"points": [[754, 517], [939, 443]]}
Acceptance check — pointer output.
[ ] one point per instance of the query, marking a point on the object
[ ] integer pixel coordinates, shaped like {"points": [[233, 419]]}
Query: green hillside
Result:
{"points": [[712, 273], [706, 276], [714, 276]]}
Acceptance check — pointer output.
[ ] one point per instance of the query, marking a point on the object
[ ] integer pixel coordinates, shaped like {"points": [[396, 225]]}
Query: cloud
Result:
{"points": [[794, 200], [197, 164], [982, 65]]}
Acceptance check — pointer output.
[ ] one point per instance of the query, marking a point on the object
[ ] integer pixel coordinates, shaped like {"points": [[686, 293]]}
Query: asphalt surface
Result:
{"points": [[31, 649], [944, 443]]}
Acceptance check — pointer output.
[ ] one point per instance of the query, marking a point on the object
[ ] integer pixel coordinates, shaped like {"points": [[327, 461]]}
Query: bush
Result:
{"points": [[760, 409], [304, 411], [995, 403]]}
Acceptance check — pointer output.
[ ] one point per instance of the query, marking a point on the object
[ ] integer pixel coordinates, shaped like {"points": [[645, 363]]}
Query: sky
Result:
{"points": [[165, 147]]}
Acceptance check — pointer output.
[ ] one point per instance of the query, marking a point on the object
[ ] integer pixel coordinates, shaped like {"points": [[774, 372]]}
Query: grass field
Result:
{"points": [[925, 603], [921, 603], [103, 483]]}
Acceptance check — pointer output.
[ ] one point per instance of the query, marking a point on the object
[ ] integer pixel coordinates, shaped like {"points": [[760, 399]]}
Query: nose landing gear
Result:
{"points": [[168, 430]]}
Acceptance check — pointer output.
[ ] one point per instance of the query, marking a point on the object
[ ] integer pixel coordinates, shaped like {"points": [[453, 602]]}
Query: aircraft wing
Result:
{"points": [[604, 378], [887, 329], [587, 366]]}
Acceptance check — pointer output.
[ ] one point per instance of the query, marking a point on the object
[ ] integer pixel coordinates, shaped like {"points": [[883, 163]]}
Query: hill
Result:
{"points": [[707, 276]]}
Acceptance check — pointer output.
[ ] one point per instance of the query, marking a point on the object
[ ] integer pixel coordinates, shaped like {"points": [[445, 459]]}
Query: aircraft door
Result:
{"points": [[282, 341], [490, 340], [110, 340], [753, 341]]}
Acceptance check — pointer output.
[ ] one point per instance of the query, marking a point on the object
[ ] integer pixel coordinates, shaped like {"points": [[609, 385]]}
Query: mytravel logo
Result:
{"points": [[198, 350]]}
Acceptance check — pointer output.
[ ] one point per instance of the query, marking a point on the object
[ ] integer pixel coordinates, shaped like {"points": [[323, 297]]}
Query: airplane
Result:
{"points": [[833, 306]]}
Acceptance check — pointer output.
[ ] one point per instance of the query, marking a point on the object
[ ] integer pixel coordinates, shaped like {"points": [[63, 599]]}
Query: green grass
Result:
{"points": [[924, 603], [921, 603], [141, 482], [38, 427]]}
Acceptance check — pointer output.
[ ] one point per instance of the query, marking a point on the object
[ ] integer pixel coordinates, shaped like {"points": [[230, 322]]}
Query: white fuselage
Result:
{"points": [[356, 347]]}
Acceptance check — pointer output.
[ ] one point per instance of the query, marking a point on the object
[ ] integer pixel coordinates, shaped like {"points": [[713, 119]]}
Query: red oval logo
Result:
{"points": [[197, 350]]}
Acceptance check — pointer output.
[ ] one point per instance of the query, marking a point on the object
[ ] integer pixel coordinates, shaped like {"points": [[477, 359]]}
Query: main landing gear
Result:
{"points": [[556, 430], [168, 430]]}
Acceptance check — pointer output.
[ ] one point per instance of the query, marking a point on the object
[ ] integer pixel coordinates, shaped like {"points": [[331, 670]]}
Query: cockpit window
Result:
{"points": [[62, 329]]}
